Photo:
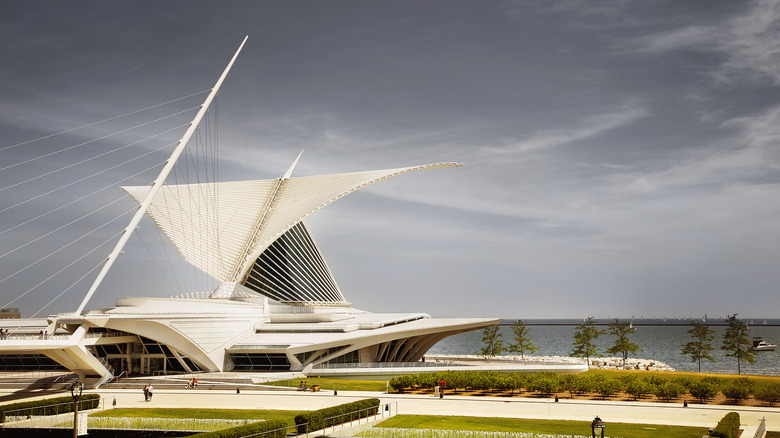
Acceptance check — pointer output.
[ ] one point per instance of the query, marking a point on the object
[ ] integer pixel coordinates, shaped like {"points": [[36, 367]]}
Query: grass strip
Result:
{"points": [[229, 414], [330, 384], [559, 427]]}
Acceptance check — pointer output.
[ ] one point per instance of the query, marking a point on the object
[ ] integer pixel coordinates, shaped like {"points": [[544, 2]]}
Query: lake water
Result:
{"points": [[661, 341]]}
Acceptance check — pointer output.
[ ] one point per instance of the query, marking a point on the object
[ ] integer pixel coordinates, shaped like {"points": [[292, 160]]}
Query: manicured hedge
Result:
{"points": [[327, 417], [546, 383], [769, 393], [47, 406], [728, 426], [273, 429]]}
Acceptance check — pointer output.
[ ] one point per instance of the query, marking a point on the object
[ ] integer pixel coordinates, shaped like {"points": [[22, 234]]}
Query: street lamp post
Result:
{"points": [[75, 391], [597, 426]]}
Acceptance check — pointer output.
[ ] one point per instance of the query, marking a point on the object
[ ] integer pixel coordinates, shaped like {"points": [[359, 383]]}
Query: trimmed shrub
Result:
{"points": [[51, 406], [608, 387], [728, 426], [669, 391], [768, 393], [273, 429], [704, 389], [327, 417], [575, 384], [739, 389], [544, 383], [639, 388]]}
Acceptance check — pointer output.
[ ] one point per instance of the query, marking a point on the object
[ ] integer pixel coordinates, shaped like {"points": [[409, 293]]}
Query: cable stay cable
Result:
{"points": [[91, 158], [141, 271], [91, 176], [79, 199], [63, 269], [94, 268], [101, 121], [168, 284], [83, 236], [59, 228], [11, 166]]}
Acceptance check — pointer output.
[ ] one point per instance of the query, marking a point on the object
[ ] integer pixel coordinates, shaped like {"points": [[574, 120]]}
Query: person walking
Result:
{"points": [[149, 391], [146, 392]]}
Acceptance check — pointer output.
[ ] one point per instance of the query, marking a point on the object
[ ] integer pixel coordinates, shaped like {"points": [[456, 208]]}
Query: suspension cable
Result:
{"points": [[10, 166], [101, 121]]}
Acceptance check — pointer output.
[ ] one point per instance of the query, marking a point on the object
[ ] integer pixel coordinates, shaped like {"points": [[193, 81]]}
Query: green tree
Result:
{"points": [[768, 393], [585, 336], [705, 388], [623, 344], [736, 342], [608, 387], [699, 348], [739, 389], [638, 388], [668, 391], [522, 341], [493, 343]]}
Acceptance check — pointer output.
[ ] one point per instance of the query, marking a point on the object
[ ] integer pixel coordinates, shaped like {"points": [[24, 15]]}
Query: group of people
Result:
{"points": [[148, 392], [43, 334], [192, 383], [4, 333]]}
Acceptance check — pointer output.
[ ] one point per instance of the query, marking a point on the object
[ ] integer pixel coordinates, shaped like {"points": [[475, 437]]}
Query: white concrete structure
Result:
{"points": [[277, 307]]}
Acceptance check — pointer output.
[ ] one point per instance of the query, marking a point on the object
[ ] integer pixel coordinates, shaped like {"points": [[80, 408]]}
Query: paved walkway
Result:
{"points": [[565, 409]]}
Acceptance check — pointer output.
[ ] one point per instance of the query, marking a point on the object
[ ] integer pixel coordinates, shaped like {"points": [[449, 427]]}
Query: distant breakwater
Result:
{"points": [[659, 341], [611, 363]]}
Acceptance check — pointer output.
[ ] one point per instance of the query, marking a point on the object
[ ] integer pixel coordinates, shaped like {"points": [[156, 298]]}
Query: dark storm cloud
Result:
{"points": [[619, 154]]}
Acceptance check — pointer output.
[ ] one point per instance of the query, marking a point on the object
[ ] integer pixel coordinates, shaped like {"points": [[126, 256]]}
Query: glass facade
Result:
{"points": [[292, 269], [28, 362], [258, 362]]}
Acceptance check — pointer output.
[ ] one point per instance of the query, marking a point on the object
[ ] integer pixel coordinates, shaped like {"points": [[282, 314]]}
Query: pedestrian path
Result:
{"points": [[411, 404]]}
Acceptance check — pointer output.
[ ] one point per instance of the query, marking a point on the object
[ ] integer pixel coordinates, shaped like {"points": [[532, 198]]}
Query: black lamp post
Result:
{"points": [[597, 426], [75, 391]]}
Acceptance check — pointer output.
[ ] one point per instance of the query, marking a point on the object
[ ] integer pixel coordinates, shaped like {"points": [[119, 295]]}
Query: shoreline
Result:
{"points": [[603, 363]]}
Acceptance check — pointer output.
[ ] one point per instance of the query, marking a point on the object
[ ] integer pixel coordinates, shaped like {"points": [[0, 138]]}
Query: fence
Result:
{"points": [[25, 418], [391, 432], [47, 416], [761, 431], [372, 365]]}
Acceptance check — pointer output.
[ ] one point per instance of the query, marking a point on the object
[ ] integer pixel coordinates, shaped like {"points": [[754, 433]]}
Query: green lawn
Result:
{"points": [[340, 384], [429, 422], [671, 375], [538, 426], [229, 414]]}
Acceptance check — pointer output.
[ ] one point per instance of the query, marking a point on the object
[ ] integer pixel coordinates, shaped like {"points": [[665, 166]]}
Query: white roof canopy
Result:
{"points": [[221, 228]]}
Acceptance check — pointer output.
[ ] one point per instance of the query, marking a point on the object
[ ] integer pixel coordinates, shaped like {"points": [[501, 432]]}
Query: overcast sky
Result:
{"points": [[621, 157]]}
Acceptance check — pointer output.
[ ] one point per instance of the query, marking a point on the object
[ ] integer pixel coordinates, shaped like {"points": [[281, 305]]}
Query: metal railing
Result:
{"points": [[116, 378], [49, 415], [384, 411], [370, 365], [33, 374], [34, 337], [761, 431]]}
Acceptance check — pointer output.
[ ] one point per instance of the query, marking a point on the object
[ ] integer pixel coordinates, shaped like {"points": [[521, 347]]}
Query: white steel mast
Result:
{"points": [[158, 183]]}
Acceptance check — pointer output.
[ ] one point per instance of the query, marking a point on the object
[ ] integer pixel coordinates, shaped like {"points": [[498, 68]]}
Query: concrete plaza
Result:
{"points": [[532, 408], [517, 407]]}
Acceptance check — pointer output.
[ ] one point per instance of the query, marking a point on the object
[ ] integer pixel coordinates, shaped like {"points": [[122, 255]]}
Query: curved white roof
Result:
{"points": [[221, 228]]}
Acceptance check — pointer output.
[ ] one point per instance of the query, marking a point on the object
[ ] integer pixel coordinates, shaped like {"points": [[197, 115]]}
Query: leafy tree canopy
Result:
{"points": [[736, 342], [585, 336], [701, 344], [623, 345], [494, 345], [522, 342]]}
